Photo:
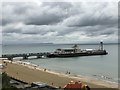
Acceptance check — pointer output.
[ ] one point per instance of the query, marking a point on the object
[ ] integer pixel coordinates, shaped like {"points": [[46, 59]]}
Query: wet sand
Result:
{"points": [[32, 73]]}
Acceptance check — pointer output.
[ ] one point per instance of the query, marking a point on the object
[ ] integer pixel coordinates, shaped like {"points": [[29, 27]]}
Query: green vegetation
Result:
{"points": [[0, 81], [6, 83]]}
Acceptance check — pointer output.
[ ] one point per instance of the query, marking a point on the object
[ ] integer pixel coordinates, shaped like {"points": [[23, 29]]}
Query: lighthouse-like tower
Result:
{"points": [[101, 45]]}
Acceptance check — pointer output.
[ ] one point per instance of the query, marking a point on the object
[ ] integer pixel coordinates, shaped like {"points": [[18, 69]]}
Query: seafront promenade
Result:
{"points": [[29, 73]]}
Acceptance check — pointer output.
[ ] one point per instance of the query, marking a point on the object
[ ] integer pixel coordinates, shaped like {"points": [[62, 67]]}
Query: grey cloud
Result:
{"points": [[108, 33], [29, 29], [66, 30], [63, 5], [90, 20], [100, 30], [48, 14], [54, 21], [33, 30], [93, 14], [4, 22], [11, 29], [43, 20], [32, 14], [22, 8]]}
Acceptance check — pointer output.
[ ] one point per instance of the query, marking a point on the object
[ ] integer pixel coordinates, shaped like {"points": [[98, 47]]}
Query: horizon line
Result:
{"points": [[58, 43]]}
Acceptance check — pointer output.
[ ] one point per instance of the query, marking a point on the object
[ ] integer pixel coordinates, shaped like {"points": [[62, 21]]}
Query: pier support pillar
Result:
{"points": [[25, 57], [38, 56]]}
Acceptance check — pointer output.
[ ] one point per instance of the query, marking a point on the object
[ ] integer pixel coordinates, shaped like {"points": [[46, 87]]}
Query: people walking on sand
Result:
{"points": [[67, 72]]}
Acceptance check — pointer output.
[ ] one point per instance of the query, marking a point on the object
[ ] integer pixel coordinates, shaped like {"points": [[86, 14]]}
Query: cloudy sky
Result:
{"points": [[59, 22]]}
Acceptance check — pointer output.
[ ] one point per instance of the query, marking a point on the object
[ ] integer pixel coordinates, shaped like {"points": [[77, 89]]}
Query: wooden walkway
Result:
{"points": [[26, 55]]}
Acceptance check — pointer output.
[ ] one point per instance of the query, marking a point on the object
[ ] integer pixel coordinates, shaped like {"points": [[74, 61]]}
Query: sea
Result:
{"points": [[103, 67]]}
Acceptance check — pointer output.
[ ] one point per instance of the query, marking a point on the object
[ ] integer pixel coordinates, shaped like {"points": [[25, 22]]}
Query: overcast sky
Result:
{"points": [[59, 22]]}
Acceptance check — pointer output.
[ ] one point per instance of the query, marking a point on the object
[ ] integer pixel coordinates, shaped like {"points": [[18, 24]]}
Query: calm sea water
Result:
{"points": [[94, 66]]}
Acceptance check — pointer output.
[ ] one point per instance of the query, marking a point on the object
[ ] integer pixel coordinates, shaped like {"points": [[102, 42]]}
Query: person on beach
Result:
{"points": [[85, 87], [88, 88], [45, 69], [52, 84], [67, 72], [34, 67]]}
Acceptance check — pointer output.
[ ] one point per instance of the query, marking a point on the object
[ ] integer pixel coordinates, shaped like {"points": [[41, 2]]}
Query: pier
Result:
{"points": [[55, 55], [75, 51], [25, 55]]}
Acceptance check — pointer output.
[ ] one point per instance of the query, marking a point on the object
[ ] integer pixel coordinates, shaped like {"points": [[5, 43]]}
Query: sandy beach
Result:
{"points": [[28, 72]]}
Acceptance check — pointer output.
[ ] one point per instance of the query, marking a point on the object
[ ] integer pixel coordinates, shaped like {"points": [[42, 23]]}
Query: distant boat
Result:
{"points": [[75, 51]]}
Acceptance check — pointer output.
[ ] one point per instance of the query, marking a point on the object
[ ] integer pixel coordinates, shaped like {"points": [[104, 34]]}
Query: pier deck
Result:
{"points": [[25, 55]]}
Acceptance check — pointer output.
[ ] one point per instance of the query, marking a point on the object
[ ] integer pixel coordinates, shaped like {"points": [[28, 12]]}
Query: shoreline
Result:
{"points": [[93, 77], [84, 79]]}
